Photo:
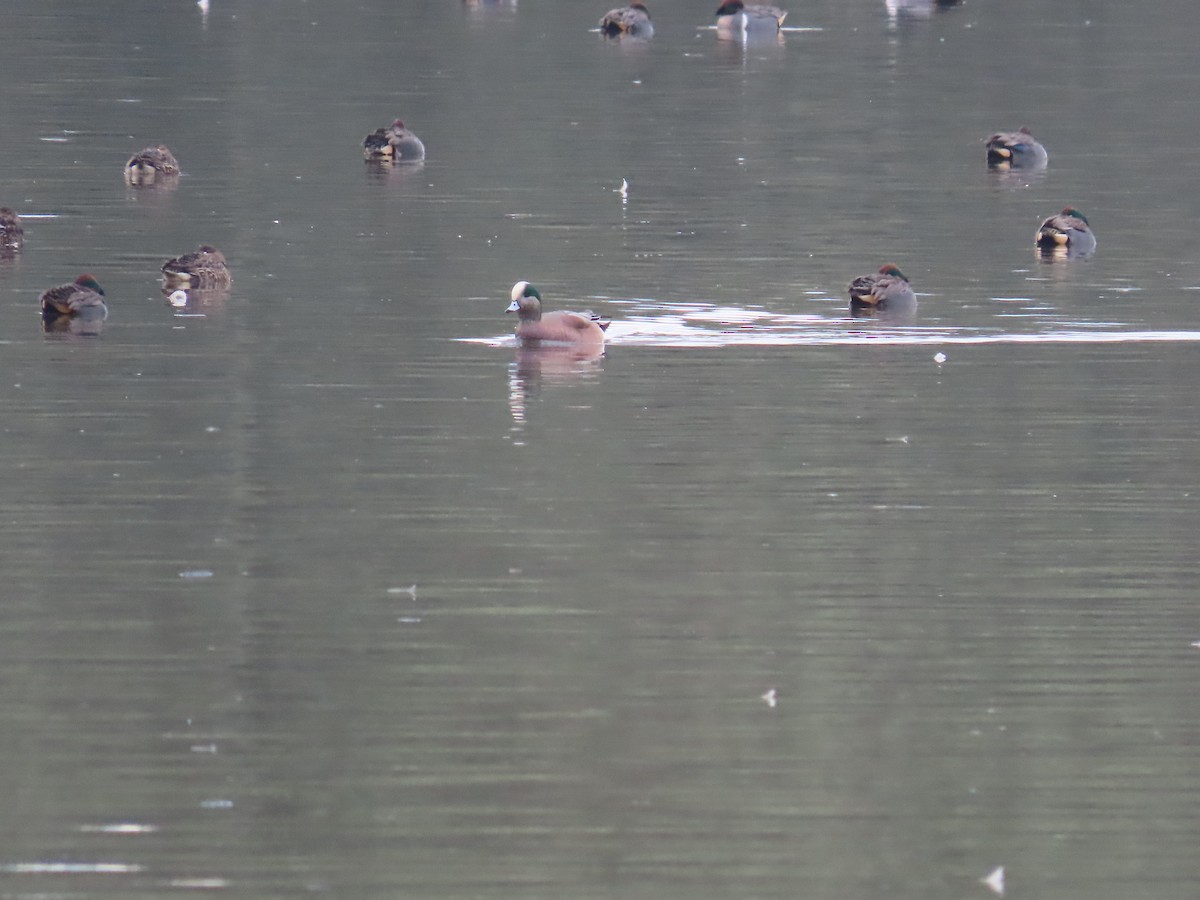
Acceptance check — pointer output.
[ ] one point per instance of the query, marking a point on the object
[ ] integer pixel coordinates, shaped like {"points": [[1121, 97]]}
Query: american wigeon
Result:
{"points": [[395, 144], [633, 20], [887, 289], [202, 268], [150, 165], [735, 17], [83, 298], [1068, 230], [12, 235], [559, 327], [1015, 149]]}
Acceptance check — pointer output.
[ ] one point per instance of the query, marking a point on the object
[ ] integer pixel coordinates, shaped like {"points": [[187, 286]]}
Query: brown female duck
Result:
{"points": [[633, 20], [202, 268], [152, 164]]}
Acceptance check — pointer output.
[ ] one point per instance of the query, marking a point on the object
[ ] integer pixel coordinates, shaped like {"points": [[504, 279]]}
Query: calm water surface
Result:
{"points": [[322, 587]]}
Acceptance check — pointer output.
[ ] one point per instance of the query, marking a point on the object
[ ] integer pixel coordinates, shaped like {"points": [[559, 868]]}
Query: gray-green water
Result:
{"points": [[324, 587]]}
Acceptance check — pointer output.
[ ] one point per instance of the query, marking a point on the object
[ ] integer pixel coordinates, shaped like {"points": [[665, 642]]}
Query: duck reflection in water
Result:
{"points": [[191, 299], [394, 173], [535, 367], [916, 9]]}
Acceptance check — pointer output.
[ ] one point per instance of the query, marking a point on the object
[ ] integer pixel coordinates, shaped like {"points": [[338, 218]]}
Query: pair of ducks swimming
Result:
{"points": [[158, 164], [733, 17], [1068, 230], [202, 269], [886, 289]]}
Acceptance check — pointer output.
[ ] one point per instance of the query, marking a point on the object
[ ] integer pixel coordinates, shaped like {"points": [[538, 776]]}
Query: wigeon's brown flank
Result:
{"points": [[559, 327]]}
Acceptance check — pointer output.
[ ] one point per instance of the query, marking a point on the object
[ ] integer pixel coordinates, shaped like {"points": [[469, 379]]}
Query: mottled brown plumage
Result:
{"points": [[633, 20], [202, 268], [150, 165]]}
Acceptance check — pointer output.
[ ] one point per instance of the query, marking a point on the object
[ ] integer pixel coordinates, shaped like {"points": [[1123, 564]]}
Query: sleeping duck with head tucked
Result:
{"points": [[153, 164], [1015, 149], [1067, 232], [887, 290], [204, 267], [82, 299], [393, 144], [632, 20]]}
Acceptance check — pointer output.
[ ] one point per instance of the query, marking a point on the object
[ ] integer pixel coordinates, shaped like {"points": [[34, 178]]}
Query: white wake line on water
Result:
{"points": [[619, 338], [796, 29]]}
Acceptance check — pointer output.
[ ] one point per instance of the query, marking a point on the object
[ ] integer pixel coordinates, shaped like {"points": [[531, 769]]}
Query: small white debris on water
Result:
{"points": [[939, 358], [178, 298], [196, 573], [995, 881], [769, 698], [411, 590]]}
